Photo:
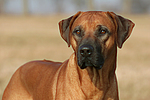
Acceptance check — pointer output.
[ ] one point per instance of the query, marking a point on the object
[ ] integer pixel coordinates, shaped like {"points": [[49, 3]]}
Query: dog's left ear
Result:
{"points": [[123, 26], [65, 26]]}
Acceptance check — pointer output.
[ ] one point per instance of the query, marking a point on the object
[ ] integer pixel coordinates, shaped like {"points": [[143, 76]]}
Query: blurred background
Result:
{"points": [[29, 31], [45, 7]]}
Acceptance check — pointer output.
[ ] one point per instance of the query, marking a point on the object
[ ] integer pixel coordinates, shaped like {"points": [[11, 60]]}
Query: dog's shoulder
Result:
{"points": [[42, 63], [39, 66]]}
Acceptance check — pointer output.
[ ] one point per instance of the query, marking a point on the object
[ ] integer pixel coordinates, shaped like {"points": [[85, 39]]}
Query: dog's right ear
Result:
{"points": [[65, 26]]}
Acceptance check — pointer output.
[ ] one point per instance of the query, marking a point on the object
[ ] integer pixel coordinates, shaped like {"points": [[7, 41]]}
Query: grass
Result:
{"points": [[23, 39]]}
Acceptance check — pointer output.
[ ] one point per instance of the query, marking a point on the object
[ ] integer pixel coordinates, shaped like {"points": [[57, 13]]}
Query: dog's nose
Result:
{"points": [[86, 50]]}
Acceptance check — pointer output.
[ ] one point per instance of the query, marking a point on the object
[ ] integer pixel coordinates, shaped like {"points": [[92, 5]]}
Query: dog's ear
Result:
{"points": [[123, 26], [65, 26]]}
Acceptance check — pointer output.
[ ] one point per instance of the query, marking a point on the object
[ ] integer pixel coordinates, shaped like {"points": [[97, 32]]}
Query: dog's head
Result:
{"points": [[93, 34]]}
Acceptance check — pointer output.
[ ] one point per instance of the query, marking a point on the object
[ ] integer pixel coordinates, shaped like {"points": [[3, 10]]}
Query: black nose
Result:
{"points": [[86, 50]]}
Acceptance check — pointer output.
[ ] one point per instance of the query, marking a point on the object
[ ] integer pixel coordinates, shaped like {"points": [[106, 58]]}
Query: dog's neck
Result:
{"points": [[93, 80]]}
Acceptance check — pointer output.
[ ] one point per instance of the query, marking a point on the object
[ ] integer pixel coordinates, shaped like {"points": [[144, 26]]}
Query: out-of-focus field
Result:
{"points": [[23, 39]]}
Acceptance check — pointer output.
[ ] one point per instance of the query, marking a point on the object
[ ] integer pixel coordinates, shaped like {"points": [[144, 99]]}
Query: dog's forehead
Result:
{"points": [[90, 20]]}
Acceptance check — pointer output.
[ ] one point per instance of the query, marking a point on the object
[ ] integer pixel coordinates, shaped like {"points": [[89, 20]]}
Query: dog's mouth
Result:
{"points": [[88, 63], [90, 56]]}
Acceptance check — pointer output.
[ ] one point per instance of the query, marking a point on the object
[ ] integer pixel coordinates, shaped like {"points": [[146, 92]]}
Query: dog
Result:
{"points": [[89, 73]]}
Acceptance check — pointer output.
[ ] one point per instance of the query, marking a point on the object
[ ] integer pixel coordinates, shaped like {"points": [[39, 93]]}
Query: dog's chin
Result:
{"points": [[86, 64]]}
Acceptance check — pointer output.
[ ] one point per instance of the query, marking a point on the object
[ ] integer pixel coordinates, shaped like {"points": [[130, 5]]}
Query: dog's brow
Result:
{"points": [[98, 27], [77, 28]]}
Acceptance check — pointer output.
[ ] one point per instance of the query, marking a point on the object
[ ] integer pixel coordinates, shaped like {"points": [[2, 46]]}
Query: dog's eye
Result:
{"points": [[78, 32], [102, 32]]}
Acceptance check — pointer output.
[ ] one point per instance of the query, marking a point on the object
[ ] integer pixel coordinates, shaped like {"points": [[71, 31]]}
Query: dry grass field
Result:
{"points": [[23, 39]]}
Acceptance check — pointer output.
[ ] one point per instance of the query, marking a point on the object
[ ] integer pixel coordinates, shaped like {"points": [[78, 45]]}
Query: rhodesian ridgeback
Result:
{"points": [[89, 73]]}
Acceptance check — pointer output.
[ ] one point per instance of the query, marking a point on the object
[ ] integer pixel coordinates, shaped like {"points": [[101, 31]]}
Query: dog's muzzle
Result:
{"points": [[87, 57]]}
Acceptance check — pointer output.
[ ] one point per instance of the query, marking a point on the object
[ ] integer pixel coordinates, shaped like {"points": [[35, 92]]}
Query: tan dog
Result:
{"points": [[89, 74]]}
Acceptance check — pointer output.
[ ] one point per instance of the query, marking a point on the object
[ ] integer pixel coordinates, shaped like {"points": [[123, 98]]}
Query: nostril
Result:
{"points": [[89, 51], [81, 52]]}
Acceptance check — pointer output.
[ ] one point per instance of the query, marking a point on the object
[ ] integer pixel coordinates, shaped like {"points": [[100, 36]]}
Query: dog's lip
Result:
{"points": [[99, 67], [84, 65]]}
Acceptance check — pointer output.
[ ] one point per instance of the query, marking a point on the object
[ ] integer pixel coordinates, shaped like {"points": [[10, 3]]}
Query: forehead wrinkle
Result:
{"points": [[90, 20]]}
